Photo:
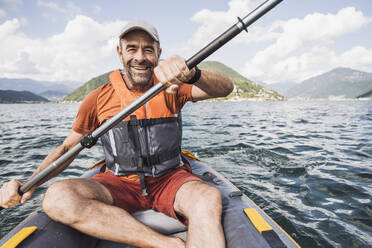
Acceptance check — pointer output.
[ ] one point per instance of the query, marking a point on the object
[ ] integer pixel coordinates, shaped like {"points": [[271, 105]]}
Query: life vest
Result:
{"points": [[146, 146]]}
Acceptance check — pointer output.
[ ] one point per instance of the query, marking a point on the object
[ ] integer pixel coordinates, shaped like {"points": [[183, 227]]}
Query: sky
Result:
{"points": [[73, 41]]}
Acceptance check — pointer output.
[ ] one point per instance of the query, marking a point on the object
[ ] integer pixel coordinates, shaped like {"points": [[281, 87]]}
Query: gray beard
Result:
{"points": [[140, 80]]}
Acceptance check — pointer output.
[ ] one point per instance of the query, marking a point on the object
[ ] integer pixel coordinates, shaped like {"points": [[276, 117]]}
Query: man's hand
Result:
{"points": [[172, 72], [9, 195]]}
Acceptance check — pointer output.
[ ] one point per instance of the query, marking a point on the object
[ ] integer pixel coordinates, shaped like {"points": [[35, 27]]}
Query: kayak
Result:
{"points": [[244, 223]]}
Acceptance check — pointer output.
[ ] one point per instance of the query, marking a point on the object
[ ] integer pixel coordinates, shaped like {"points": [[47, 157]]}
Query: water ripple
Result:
{"points": [[307, 164]]}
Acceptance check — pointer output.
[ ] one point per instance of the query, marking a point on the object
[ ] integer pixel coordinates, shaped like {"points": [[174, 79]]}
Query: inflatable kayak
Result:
{"points": [[244, 223]]}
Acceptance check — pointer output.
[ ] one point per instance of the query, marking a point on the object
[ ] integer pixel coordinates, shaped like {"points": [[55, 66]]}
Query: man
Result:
{"points": [[144, 166]]}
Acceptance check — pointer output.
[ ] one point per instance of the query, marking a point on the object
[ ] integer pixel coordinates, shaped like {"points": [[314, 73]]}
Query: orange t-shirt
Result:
{"points": [[104, 102]]}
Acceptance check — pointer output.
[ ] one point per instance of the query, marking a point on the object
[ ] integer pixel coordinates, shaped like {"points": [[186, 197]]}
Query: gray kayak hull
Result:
{"points": [[239, 230]]}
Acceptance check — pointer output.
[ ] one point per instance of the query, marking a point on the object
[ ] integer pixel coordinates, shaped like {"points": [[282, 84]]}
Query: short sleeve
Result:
{"points": [[86, 119], [177, 101]]}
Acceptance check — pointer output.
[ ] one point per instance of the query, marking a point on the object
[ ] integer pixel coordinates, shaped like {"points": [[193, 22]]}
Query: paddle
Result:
{"points": [[90, 139]]}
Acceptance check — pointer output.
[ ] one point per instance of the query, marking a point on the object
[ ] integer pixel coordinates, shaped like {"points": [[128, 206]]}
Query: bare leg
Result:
{"points": [[86, 205], [201, 204]]}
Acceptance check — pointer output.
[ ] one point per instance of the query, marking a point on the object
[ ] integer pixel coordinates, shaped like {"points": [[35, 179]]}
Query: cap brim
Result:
{"points": [[138, 28]]}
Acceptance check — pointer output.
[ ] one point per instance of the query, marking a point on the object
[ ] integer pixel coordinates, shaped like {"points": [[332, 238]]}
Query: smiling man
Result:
{"points": [[144, 166]]}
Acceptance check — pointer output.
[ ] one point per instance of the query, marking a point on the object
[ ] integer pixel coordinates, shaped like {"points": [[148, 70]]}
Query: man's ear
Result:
{"points": [[120, 53], [118, 50]]}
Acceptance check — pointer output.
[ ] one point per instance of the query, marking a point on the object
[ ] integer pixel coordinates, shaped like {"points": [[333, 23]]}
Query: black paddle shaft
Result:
{"points": [[90, 139]]}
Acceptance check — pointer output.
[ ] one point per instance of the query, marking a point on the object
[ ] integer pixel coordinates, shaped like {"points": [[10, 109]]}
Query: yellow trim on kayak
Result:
{"points": [[259, 223], [19, 237], [99, 163], [189, 154], [294, 242]]}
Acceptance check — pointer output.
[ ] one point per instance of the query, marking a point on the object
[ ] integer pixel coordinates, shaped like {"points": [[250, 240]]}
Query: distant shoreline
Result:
{"points": [[235, 100]]}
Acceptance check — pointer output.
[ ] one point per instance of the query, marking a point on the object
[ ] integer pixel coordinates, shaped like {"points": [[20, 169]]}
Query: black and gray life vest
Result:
{"points": [[144, 146]]}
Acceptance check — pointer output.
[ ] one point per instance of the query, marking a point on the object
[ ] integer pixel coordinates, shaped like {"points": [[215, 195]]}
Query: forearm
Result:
{"points": [[54, 155], [214, 84], [72, 139]]}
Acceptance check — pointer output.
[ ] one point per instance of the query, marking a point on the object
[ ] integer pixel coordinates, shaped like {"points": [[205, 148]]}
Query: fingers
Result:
{"points": [[26, 196], [187, 74], [167, 71], [172, 89], [9, 196], [172, 72]]}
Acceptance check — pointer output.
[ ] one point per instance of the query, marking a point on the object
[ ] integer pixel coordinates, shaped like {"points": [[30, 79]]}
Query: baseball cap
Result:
{"points": [[140, 25]]}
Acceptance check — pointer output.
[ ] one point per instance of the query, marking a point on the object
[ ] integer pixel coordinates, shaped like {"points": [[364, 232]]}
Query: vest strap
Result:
{"points": [[138, 161], [143, 184], [148, 161], [137, 144], [150, 122]]}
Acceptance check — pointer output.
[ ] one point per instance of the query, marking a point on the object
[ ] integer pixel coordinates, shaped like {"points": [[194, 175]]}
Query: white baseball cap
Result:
{"points": [[140, 25]]}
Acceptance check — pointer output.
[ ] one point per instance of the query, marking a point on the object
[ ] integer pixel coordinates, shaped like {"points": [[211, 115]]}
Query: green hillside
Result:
{"points": [[223, 69], [13, 96], [81, 92], [244, 88]]}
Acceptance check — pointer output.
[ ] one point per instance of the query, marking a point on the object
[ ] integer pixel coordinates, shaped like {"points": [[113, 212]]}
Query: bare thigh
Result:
{"points": [[71, 195]]}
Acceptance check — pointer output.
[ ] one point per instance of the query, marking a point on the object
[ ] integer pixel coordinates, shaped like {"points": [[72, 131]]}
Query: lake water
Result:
{"points": [[307, 164]]}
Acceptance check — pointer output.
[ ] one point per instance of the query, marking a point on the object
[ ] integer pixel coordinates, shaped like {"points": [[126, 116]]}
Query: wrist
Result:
{"points": [[196, 76]]}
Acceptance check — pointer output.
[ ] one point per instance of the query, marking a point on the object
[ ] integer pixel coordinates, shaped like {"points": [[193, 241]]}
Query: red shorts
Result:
{"points": [[161, 190]]}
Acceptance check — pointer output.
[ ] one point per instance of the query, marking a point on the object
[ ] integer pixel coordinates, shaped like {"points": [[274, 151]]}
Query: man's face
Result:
{"points": [[139, 54]]}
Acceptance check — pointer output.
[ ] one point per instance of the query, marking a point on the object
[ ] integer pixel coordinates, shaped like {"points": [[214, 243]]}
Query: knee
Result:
{"points": [[209, 202], [60, 203]]}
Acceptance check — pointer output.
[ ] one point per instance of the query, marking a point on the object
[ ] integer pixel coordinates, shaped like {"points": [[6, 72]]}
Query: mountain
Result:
{"points": [[53, 95], [37, 87], [340, 83], [281, 88], [244, 88], [79, 94], [366, 95], [12, 96]]}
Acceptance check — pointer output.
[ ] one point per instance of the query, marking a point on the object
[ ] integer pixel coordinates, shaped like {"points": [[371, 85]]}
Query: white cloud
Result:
{"points": [[11, 42], [358, 57], [23, 63], [312, 36], [316, 61], [9, 27], [298, 48], [213, 23], [84, 49]]}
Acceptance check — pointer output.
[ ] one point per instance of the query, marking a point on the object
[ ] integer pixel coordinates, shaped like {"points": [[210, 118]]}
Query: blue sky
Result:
{"points": [[76, 40]]}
